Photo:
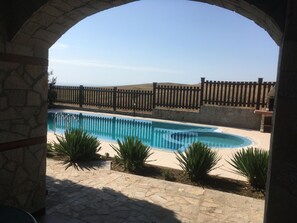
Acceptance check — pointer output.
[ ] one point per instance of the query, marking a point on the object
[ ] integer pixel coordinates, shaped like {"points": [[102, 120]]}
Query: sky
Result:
{"points": [[176, 41]]}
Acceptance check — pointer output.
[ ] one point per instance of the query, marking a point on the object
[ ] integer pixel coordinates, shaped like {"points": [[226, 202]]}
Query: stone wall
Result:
{"points": [[22, 174], [215, 115], [23, 126]]}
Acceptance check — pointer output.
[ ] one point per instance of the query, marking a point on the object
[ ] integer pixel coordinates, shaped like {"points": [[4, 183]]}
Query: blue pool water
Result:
{"points": [[162, 135]]}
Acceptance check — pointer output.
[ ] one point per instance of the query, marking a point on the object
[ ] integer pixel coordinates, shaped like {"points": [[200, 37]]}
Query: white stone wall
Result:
{"points": [[23, 126]]}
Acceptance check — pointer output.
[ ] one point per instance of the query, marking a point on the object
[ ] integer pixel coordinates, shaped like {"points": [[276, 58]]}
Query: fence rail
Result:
{"points": [[224, 93]]}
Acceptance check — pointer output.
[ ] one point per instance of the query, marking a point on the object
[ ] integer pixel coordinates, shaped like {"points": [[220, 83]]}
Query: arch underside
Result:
{"points": [[54, 18]]}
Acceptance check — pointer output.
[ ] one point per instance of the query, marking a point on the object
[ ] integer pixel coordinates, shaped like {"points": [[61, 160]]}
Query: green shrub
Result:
{"points": [[251, 163], [197, 160], [132, 153], [168, 175], [77, 145], [50, 150]]}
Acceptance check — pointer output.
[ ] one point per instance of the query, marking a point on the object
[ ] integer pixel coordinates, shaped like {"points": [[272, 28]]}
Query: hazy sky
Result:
{"points": [[163, 41]]}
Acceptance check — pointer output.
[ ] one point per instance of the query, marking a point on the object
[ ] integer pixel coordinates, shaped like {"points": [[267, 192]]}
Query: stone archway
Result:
{"points": [[29, 28], [54, 18]]}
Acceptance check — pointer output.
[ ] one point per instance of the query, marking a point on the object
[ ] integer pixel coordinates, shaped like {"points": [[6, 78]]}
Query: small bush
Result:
{"points": [[197, 161], [251, 163], [77, 145], [132, 153]]}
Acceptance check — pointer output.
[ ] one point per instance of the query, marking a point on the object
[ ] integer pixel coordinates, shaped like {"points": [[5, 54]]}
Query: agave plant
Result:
{"points": [[132, 153], [197, 160], [251, 163], [50, 150], [77, 145]]}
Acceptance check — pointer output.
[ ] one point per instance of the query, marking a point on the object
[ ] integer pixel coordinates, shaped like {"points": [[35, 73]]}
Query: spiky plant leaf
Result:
{"points": [[197, 160], [251, 163], [77, 145], [132, 153]]}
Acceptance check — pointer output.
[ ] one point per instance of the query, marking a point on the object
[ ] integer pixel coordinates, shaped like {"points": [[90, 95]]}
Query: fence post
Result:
{"points": [[202, 90], [134, 103], [81, 95], [114, 100], [260, 81], [154, 94]]}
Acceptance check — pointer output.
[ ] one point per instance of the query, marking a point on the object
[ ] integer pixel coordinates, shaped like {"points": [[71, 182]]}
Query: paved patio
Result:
{"points": [[96, 194]]}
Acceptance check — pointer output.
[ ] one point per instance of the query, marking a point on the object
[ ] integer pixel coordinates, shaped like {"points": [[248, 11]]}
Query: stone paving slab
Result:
{"points": [[101, 195]]}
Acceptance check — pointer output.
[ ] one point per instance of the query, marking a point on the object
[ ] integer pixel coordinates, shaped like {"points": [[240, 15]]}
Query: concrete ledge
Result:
{"points": [[214, 115]]}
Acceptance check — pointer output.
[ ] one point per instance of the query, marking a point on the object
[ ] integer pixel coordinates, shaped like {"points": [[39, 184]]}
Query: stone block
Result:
{"points": [[30, 27], [4, 193], [10, 137], [61, 5], [45, 35], [86, 10], [15, 155], [33, 99], [35, 42], [28, 112], [6, 177], [28, 79], [17, 121], [14, 81], [23, 198], [51, 10], [9, 114], [40, 87], [3, 103], [5, 125], [35, 71], [99, 5], [21, 50], [31, 163], [66, 22], [10, 166], [21, 38], [56, 28], [32, 122], [42, 117], [39, 131], [16, 97], [20, 177], [21, 129], [43, 19], [76, 3], [75, 15]]}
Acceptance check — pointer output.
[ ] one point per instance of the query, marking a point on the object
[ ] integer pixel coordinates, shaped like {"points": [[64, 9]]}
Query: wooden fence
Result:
{"points": [[240, 94], [225, 93], [113, 98], [184, 97]]}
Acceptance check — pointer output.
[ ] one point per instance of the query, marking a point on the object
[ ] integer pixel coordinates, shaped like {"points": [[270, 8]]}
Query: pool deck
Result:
{"points": [[99, 195], [168, 159]]}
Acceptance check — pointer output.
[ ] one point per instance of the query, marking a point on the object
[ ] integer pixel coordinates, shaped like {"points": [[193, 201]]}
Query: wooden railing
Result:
{"points": [[224, 93], [184, 97], [240, 94]]}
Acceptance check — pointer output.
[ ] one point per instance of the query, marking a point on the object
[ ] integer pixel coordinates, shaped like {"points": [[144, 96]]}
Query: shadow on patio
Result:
{"points": [[68, 201]]}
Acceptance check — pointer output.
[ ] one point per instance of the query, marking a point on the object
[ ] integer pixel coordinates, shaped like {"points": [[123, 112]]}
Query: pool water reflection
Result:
{"points": [[163, 135]]}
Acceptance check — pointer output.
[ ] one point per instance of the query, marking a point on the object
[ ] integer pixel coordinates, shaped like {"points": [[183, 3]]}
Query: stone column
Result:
{"points": [[281, 198], [23, 126]]}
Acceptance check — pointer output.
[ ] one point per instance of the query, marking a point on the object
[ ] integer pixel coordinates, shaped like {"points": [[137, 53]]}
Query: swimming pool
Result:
{"points": [[163, 135]]}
